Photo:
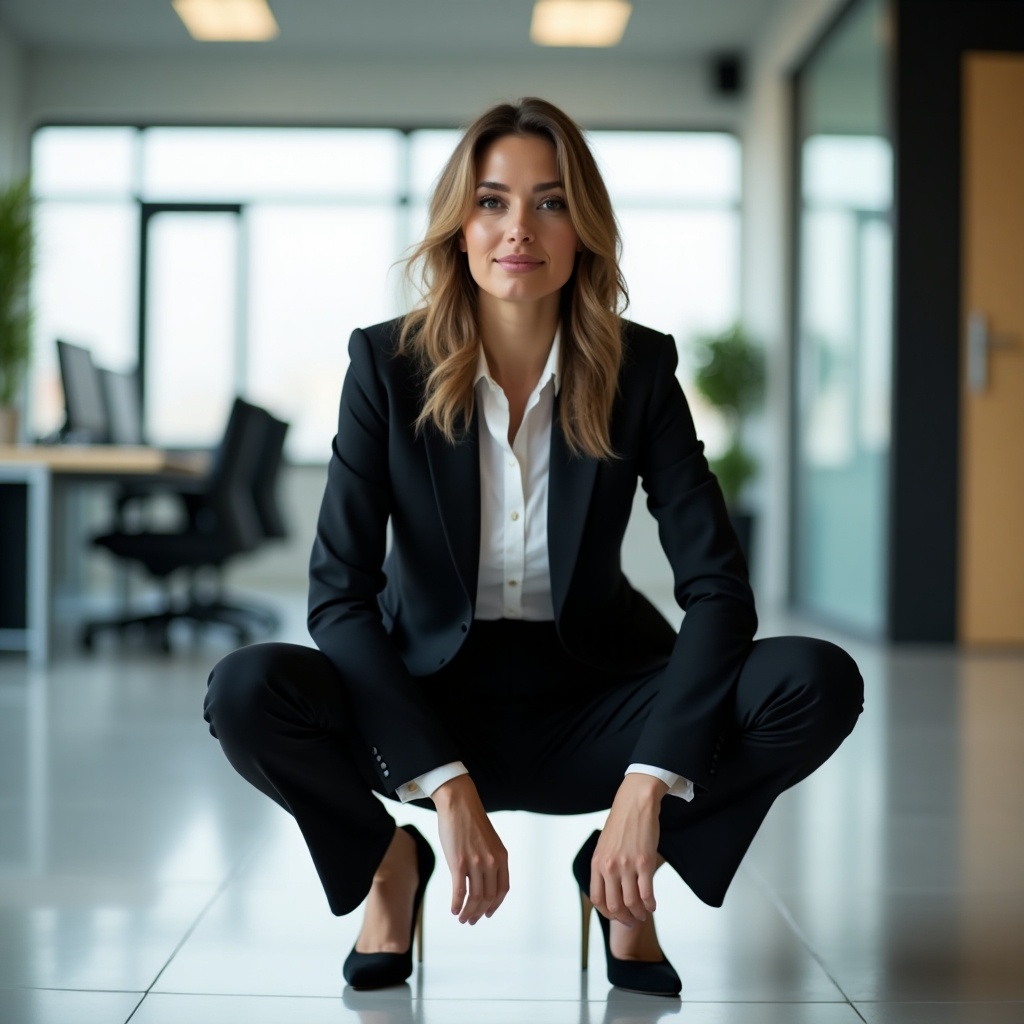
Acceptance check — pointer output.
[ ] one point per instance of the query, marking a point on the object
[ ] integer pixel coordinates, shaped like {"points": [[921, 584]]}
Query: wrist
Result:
{"points": [[453, 791], [643, 787]]}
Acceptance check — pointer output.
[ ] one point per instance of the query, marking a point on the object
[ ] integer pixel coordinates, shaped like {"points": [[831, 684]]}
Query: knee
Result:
{"points": [[832, 681], [245, 685]]}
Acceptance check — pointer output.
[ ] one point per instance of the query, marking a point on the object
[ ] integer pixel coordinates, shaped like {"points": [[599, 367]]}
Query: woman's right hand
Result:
{"points": [[476, 857]]}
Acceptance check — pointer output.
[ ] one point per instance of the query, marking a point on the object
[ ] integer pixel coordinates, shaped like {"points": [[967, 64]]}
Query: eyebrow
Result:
{"points": [[499, 187]]}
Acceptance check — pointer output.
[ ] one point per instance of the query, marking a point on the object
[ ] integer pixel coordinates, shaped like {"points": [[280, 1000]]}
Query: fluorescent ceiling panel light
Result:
{"points": [[579, 22], [227, 21]]}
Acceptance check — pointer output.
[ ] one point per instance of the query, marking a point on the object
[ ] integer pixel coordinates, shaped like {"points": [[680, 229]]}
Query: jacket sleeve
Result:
{"points": [[685, 727], [346, 575]]}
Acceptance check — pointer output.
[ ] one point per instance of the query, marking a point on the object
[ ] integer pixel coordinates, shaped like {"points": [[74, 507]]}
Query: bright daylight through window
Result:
{"points": [[265, 247]]}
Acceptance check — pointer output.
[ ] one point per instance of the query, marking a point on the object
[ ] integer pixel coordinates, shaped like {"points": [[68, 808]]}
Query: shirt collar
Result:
{"points": [[550, 372]]}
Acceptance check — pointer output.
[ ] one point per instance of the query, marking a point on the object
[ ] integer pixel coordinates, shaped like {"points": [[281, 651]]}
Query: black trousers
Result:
{"points": [[538, 731]]}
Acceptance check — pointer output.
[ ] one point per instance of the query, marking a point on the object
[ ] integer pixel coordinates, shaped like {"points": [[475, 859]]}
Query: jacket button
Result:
{"points": [[386, 774], [465, 628], [378, 758], [441, 662], [375, 750], [383, 764]]}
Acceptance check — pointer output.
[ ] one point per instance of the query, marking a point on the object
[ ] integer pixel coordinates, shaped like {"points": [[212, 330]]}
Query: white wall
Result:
{"points": [[767, 135], [13, 151], [595, 88]]}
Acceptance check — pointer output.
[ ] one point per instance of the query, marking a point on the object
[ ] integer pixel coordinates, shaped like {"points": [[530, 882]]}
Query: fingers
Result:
{"points": [[622, 889], [458, 892], [479, 886], [645, 888]]}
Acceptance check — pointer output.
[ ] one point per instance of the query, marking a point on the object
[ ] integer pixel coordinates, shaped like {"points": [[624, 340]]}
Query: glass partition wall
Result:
{"points": [[843, 355]]}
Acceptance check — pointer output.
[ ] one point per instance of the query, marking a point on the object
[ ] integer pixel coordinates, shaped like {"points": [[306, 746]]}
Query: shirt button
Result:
{"points": [[512, 583], [515, 516], [512, 463], [413, 788]]}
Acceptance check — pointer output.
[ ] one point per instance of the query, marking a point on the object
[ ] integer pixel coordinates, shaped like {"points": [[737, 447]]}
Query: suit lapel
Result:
{"points": [[455, 474], [570, 485]]}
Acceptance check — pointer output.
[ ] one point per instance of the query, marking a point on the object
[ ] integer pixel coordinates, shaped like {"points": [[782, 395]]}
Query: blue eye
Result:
{"points": [[489, 203], [553, 203]]}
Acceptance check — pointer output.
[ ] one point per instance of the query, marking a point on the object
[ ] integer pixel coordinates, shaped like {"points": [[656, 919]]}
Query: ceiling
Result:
{"points": [[467, 29]]}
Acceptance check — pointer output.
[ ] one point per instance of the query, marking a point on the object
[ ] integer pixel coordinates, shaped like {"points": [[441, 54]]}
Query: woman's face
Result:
{"points": [[519, 237]]}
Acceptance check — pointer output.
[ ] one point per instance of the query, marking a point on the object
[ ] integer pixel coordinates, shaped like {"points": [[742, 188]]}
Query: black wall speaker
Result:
{"points": [[727, 74]]}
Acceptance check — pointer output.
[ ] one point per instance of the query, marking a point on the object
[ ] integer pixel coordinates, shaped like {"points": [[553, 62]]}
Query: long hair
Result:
{"points": [[442, 330]]}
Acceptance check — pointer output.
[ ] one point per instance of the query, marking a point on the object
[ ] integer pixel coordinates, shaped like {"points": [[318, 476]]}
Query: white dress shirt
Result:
{"points": [[514, 580]]}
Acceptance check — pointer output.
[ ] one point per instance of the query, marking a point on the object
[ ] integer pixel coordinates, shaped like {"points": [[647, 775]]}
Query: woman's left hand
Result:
{"points": [[622, 870]]}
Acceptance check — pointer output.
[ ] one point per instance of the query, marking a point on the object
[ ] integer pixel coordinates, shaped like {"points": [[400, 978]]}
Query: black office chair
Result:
{"points": [[223, 522], [120, 391], [260, 617], [265, 491]]}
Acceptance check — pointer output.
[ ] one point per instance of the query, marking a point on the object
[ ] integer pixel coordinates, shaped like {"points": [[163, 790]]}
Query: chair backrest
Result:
{"points": [[124, 409], [230, 482], [268, 509], [85, 414]]}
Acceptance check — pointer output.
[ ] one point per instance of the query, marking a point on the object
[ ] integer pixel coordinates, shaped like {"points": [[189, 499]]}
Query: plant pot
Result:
{"points": [[8, 424]]}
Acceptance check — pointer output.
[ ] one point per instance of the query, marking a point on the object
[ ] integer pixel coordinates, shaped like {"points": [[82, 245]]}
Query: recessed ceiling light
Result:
{"points": [[230, 21], [579, 22]]}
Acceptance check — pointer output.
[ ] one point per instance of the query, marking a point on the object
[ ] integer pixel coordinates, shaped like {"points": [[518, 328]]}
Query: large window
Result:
{"points": [[263, 248]]}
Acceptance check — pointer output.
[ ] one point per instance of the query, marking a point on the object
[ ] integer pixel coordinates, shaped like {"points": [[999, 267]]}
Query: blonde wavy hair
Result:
{"points": [[442, 330]]}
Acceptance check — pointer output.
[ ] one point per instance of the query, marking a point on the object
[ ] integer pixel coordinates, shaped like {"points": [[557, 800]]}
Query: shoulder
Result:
{"points": [[376, 349], [644, 349], [380, 340]]}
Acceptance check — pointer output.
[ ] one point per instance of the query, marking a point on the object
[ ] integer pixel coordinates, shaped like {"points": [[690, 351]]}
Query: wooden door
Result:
{"points": [[991, 556]]}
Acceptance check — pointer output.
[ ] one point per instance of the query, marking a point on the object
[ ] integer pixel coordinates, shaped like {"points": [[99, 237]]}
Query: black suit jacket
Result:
{"points": [[385, 621]]}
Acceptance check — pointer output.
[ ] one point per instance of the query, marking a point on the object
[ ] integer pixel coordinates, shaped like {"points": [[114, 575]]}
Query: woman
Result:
{"points": [[496, 656]]}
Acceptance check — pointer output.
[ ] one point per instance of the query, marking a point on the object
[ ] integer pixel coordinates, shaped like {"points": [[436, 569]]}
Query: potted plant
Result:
{"points": [[729, 373], [16, 247]]}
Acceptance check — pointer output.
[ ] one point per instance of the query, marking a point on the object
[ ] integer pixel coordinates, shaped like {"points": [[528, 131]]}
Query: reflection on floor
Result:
{"points": [[141, 879]]}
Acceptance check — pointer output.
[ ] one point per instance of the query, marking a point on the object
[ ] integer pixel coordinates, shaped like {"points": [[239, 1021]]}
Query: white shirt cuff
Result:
{"points": [[425, 784], [677, 785]]}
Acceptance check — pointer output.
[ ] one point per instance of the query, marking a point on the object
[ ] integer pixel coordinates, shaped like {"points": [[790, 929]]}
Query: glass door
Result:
{"points": [[843, 345]]}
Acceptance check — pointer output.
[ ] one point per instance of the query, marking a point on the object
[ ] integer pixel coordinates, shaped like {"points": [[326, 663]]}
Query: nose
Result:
{"points": [[520, 226]]}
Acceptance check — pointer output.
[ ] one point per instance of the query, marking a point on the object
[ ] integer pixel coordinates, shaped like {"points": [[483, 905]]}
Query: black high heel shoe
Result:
{"points": [[379, 970], [657, 978]]}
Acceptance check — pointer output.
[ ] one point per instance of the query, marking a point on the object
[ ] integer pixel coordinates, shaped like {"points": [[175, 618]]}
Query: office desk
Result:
{"points": [[34, 479]]}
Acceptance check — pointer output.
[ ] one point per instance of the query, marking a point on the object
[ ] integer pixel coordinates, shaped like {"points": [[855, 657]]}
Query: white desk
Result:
{"points": [[31, 480]]}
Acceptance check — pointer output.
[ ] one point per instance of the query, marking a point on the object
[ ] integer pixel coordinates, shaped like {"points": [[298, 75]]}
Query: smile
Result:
{"points": [[519, 264]]}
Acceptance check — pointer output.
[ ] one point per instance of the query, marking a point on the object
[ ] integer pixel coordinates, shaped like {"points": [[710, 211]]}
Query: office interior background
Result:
{"points": [[221, 216]]}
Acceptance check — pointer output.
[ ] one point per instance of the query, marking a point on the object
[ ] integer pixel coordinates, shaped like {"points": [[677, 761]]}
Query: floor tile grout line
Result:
{"points": [[759, 880], [229, 878]]}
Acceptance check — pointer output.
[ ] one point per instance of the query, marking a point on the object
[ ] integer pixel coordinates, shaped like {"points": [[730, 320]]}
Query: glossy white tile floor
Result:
{"points": [[141, 880]]}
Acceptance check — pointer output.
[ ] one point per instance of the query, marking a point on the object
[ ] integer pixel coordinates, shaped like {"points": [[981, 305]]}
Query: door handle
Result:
{"points": [[979, 341]]}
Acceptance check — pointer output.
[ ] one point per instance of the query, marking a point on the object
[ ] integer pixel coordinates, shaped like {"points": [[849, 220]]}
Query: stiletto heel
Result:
{"points": [[587, 908], [655, 978], [379, 970]]}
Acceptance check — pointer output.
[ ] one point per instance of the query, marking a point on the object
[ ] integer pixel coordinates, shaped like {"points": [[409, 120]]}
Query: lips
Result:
{"points": [[517, 263]]}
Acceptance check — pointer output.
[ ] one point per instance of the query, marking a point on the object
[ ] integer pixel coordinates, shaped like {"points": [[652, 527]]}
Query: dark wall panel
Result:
{"points": [[931, 37]]}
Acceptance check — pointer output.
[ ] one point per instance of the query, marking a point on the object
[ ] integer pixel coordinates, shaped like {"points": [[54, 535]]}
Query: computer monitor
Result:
{"points": [[124, 411], [85, 413]]}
